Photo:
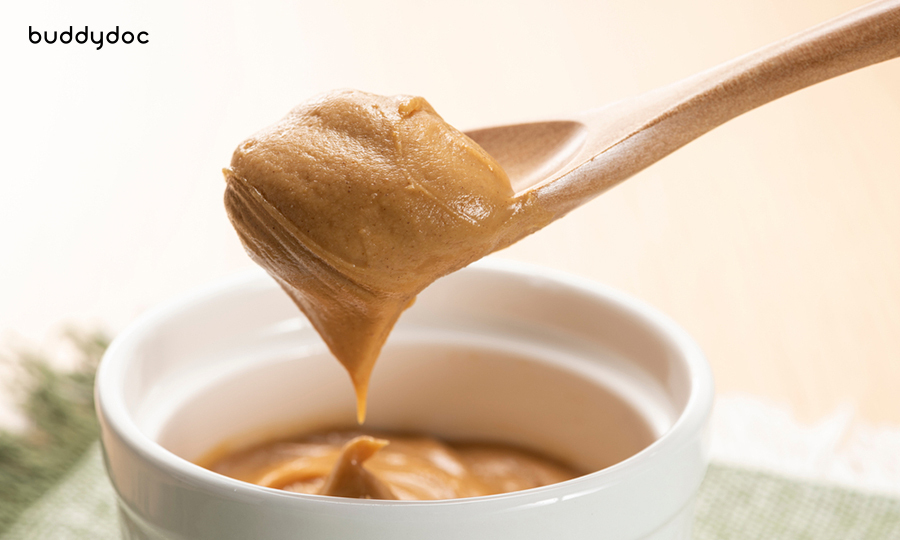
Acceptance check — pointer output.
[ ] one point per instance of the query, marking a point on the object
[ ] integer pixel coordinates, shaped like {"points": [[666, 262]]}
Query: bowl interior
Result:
{"points": [[493, 352]]}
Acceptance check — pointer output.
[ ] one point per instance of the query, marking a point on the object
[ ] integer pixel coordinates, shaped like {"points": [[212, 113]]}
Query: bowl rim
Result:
{"points": [[112, 410]]}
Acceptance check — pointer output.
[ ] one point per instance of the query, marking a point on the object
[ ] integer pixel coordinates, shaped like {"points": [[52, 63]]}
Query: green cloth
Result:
{"points": [[59, 407], [81, 507], [734, 504], [737, 504]]}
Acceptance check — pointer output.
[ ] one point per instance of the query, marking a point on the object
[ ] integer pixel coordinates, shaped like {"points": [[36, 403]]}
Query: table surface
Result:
{"points": [[774, 239]]}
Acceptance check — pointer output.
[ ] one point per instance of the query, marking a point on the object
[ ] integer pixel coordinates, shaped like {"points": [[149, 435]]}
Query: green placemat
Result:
{"points": [[81, 507], [738, 504], [59, 407], [734, 504]]}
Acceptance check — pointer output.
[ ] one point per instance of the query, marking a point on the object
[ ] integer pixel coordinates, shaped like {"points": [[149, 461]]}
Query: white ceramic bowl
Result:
{"points": [[497, 351]]}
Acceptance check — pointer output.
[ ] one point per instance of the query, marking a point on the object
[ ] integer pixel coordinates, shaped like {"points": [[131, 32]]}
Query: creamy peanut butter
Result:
{"points": [[352, 464], [354, 203]]}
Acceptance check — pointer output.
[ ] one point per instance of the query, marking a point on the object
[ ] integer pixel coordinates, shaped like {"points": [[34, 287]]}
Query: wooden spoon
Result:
{"points": [[567, 162]]}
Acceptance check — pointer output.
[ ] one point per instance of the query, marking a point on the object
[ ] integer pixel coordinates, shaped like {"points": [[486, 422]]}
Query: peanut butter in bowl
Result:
{"points": [[345, 463]]}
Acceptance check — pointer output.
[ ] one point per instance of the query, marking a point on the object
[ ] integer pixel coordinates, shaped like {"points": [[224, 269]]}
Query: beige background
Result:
{"points": [[775, 240]]}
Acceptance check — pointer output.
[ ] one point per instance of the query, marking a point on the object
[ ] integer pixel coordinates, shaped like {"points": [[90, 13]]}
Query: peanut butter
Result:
{"points": [[354, 203], [377, 466]]}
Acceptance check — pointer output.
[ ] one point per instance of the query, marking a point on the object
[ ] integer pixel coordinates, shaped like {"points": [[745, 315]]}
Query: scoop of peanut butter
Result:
{"points": [[355, 202]]}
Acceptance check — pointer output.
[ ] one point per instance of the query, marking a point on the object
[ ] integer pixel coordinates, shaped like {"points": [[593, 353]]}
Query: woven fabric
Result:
{"points": [[739, 504], [81, 507], [734, 504]]}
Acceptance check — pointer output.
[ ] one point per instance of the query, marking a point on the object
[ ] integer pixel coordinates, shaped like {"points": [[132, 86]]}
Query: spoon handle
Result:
{"points": [[629, 136]]}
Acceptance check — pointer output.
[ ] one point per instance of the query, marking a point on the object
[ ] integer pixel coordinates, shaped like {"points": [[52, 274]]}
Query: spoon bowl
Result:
{"points": [[532, 152]]}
